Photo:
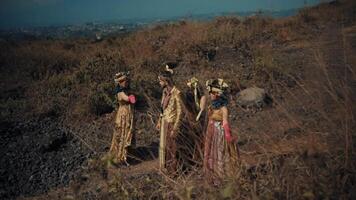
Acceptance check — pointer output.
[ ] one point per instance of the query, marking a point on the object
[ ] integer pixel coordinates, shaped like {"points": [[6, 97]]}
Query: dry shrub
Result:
{"points": [[300, 147], [101, 100]]}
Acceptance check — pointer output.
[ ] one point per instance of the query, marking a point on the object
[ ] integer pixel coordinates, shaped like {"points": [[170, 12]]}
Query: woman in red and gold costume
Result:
{"points": [[220, 150]]}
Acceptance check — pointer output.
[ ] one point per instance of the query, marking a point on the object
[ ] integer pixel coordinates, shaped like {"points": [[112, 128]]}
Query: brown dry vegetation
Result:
{"points": [[299, 147]]}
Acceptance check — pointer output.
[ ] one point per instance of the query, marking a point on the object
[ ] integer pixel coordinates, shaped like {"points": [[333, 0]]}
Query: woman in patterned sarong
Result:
{"points": [[220, 150]]}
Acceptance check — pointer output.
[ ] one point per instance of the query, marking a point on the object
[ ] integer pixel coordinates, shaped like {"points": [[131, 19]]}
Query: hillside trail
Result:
{"points": [[145, 167]]}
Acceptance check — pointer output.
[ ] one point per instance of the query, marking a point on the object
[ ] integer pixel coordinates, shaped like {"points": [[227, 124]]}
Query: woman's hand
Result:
{"points": [[122, 96], [227, 132], [158, 126], [226, 125], [173, 134], [132, 99]]}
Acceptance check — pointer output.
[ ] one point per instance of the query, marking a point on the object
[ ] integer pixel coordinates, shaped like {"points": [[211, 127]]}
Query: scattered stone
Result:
{"points": [[252, 97]]}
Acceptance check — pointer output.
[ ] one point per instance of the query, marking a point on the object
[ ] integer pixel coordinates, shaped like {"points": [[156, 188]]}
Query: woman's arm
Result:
{"points": [[226, 124], [124, 97], [201, 107], [225, 115], [158, 124], [179, 110], [121, 96], [203, 102]]}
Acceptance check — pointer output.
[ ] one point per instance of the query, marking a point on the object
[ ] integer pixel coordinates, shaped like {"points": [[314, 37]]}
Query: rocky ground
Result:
{"points": [[36, 156]]}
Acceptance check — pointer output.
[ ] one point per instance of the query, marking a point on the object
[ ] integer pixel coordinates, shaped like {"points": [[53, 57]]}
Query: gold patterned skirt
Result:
{"points": [[122, 133], [168, 148]]}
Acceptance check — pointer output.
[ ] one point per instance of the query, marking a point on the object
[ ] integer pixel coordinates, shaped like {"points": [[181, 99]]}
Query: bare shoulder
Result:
{"points": [[224, 109], [120, 95]]}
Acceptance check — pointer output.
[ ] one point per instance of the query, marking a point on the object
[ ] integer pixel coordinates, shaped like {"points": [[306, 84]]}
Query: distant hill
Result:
{"points": [[110, 27], [271, 13]]}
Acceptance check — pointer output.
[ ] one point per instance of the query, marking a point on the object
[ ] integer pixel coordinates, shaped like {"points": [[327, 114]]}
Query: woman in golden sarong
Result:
{"points": [[123, 121], [220, 150]]}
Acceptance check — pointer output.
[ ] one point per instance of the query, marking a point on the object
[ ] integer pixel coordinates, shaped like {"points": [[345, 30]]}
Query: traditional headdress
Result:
{"points": [[217, 85], [193, 83], [121, 76], [168, 71]]}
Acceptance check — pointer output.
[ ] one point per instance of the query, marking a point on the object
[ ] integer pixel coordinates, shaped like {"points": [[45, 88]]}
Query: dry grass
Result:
{"points": [[301, 147]]}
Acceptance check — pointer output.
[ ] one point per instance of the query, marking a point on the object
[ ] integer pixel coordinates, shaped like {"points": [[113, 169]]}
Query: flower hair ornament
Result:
{"points": [[216, 85], [193, 83], [170, 66], [119, 77], [168, 71]]}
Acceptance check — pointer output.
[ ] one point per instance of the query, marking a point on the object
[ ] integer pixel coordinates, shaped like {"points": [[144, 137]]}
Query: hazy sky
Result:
{"points": [[15, 13]]}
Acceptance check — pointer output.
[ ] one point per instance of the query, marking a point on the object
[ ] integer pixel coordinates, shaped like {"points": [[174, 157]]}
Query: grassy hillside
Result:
{"points": [[300, 146]]}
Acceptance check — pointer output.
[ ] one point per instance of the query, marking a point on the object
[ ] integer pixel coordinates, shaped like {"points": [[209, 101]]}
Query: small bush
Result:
{"points": [[100, 103]]}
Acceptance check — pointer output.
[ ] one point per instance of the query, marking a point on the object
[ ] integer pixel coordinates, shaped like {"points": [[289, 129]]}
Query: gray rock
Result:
{"points": [[251, 97]]}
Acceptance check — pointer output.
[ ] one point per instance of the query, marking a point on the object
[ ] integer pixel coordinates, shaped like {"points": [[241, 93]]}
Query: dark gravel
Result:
{"points": [[36, 156]]}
